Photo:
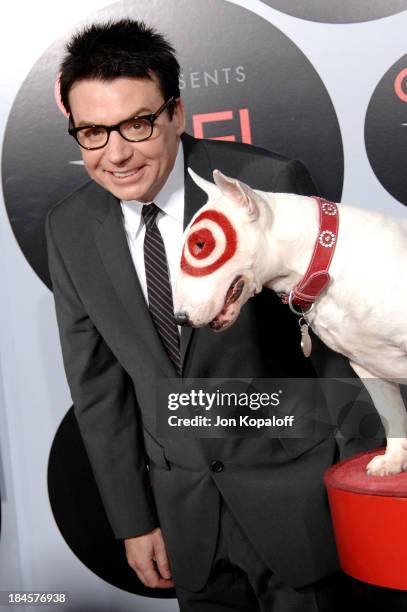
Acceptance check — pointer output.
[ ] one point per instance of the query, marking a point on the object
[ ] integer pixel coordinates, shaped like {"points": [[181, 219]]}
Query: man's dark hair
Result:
{"points": [[124, 48]]}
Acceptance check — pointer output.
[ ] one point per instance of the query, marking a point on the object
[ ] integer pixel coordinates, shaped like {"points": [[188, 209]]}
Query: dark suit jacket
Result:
{"points": [[114, 361]]}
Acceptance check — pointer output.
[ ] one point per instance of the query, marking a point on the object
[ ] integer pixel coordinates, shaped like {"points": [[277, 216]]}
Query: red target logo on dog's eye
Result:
{"points": [[212, 241], [201, 243]]}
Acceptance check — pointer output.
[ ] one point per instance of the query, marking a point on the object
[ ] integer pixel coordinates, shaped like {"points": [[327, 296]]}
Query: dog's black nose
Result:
{"points": [[182, 318]]}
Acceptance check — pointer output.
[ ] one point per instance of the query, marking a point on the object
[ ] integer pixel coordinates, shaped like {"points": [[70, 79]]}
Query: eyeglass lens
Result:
{"points": [[133, 130]]}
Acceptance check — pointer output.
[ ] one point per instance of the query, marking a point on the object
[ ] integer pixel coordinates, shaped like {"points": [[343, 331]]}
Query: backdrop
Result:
{"points": [[323, 83]]}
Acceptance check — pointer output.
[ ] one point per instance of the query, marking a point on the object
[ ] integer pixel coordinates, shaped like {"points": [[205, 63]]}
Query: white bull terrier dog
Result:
{"points": [[243, 240]]}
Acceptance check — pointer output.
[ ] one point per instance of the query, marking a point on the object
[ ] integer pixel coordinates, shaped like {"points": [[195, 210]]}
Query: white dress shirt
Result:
{"points": [[170, 221]]}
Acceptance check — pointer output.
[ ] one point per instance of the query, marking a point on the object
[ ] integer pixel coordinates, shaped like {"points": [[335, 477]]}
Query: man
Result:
{"points": [[242, 524]]}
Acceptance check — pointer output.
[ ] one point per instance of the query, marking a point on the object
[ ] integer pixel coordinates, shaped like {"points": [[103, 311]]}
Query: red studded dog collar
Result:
{"points": [[316, 278]]}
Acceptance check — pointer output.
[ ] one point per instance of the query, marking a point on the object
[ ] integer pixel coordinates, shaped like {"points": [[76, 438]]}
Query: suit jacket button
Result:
{"points": [[217, 466]]}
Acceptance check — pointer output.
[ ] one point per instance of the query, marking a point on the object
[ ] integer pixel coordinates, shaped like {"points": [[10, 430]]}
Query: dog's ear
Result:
{"points": [[209, 188], [238, 192]]}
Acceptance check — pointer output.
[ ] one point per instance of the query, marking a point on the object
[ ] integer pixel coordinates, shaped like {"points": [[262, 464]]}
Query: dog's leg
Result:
{"points": [[390, 406]]}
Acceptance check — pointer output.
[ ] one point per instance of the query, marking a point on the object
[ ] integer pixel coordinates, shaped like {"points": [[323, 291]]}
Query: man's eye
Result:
{"points": [[137, 125], [93, 132]]}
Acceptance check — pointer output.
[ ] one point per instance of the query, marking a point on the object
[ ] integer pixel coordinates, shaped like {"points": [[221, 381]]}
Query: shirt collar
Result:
{"points": [[170, 199]]}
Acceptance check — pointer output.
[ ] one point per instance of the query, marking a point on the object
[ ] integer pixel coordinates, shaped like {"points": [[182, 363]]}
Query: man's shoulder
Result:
{"points": [[87, 200], [240, 149], [255, 165], [225, 148]]}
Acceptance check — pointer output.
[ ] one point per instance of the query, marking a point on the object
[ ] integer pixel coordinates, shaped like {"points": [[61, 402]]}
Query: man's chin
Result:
{"points": [[127, 193]]}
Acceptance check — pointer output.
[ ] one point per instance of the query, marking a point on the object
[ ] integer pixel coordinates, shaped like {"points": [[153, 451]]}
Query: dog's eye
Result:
{"points": [[198, 246]]}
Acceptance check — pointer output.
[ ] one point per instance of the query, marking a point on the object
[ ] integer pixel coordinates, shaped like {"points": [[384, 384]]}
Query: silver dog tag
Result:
{"points": [[306, 342]]}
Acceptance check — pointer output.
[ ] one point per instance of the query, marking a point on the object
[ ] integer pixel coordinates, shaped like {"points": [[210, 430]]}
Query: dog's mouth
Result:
{"points": [[224, 318]]}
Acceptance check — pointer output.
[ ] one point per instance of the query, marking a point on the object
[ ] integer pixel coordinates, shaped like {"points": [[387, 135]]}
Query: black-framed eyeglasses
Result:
{"points": [[135, 129]]}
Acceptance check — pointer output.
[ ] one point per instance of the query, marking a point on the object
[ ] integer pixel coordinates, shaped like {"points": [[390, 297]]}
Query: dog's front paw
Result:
{"points": [[388, 464]]}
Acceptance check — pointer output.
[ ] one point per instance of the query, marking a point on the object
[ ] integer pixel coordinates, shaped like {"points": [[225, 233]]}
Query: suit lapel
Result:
{"points": [[195, 157], [111, 240]]}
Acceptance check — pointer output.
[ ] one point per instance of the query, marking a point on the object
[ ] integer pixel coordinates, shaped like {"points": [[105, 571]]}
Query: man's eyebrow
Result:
{"points": [[141, 111]]}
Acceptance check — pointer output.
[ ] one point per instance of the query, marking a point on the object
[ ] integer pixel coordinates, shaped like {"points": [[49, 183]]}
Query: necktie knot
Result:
{"points": [[149, 213]]}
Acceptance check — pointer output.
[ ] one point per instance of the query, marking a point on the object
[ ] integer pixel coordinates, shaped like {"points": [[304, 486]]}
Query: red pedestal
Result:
{"points": [[369, 514]]}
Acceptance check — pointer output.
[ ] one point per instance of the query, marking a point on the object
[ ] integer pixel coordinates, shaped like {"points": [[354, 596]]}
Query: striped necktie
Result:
{"points": [[158, 285]]}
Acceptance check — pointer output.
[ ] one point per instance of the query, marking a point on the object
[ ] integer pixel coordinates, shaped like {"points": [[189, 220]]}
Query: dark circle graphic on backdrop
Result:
{"points": [[80, 516], [242, 79], [339, 12], [386, 130]]}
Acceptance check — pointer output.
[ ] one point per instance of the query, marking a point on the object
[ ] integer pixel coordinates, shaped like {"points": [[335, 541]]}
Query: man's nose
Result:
{"points": [[118, 150]]}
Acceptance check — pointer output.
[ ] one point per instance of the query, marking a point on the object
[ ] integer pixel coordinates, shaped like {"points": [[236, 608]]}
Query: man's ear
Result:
{"points": [[209, 188], [237, 191], [179, 116], [57, 95]]}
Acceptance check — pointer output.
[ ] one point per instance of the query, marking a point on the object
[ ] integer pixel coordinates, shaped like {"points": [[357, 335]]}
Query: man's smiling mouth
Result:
{"points": [[124, 173]]}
